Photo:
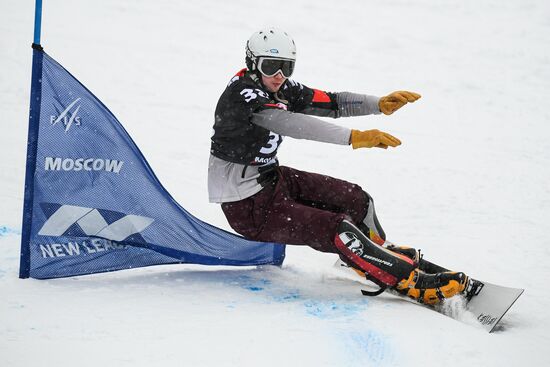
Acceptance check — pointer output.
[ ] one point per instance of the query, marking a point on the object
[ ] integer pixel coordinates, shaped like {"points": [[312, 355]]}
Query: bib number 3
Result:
{"points": [[272, 143], [250, 94]]}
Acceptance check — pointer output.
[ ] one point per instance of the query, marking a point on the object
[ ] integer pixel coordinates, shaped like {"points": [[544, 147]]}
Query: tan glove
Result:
{"points": [[394, 101], [372, 138]]}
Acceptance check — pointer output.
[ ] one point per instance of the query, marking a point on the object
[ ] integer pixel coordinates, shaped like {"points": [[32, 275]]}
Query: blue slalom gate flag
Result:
{"points": [[92, 202]]}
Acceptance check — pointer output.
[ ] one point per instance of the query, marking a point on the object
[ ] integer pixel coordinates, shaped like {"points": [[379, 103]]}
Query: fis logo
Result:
{"points": [[68, 118]]}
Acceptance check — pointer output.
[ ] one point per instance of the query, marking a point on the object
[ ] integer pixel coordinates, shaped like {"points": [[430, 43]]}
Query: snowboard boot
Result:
{"points": [[409, 252], [431, 289], [370, 226], [382, 266], [395, 267]]}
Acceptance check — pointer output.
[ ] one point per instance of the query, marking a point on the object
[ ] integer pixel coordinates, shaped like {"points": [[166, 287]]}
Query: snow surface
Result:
{"points": [[469, 185]]}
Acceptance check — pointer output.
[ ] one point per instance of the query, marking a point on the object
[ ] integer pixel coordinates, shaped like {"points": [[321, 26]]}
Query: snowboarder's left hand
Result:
{"points": [[394, 101]]}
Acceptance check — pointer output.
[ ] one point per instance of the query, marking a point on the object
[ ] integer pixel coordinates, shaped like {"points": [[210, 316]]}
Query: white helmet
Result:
{"points": [[269, 42]]}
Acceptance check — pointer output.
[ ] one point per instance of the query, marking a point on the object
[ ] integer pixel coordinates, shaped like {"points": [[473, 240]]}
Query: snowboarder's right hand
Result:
{"points": [[373, 138]]}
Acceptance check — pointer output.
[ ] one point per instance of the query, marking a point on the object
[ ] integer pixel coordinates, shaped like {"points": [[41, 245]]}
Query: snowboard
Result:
{"points": [[491, 303], [487, 305]]}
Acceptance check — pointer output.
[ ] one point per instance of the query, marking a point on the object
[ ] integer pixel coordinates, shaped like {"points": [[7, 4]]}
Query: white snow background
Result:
{"points": [[469, 185]]}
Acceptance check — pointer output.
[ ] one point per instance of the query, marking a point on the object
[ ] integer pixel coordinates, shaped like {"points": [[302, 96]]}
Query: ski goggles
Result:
{"points": [[270, 67]]}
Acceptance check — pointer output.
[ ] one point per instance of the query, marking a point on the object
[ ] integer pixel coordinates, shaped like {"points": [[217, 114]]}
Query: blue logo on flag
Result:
{"points": [[93, 203]]}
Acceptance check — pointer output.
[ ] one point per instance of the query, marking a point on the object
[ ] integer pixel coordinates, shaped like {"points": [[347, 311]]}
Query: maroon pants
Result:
{"points": [[300, 208]]}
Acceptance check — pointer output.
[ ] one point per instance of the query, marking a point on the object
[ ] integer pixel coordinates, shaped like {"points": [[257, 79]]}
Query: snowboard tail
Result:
{"points": [[492, 303], [487, 302]]}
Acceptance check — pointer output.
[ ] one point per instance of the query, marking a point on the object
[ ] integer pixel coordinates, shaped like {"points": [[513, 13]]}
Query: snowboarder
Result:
{"points": [[264, 201]]}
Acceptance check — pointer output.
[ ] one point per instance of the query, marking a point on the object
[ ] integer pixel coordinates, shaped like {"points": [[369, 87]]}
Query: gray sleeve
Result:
{"points": [[300, 126], [352, 104]]}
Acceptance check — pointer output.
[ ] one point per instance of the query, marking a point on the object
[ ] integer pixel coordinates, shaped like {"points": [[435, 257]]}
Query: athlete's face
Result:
{"points": [[273, 83]]}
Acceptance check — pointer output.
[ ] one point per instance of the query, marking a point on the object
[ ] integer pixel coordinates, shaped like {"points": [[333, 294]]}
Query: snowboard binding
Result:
{"points": [[472, 289], [401, 269], [431, 289]]}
